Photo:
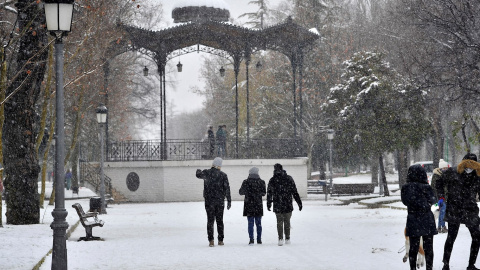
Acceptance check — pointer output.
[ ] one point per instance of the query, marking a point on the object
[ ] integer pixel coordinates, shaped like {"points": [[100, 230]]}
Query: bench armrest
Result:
{"points": [[91, 214]]}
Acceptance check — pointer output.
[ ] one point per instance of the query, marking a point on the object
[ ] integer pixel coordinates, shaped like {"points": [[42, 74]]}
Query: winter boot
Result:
{"points": [[446, 266], [259, 241], [251, 242], [287, 241], [210, 243], [472, 267], [280, 242], [444, 229], [220, 243]]}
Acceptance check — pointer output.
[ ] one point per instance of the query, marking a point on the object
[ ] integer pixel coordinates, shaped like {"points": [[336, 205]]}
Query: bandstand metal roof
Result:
{"points": [[286, 37]]}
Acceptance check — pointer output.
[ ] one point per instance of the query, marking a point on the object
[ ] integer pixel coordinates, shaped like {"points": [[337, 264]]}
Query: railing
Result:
{"points": [[91, 174], [195, 150]]}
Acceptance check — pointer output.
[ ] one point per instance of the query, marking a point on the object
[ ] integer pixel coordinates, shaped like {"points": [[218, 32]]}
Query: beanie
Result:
{"points": [[217, 162], [443, 164], [253, 170], [278, 167], [470, 156]]}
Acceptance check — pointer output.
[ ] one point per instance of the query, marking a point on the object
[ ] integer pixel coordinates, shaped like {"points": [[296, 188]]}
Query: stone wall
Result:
{"points": [[175, 181]]}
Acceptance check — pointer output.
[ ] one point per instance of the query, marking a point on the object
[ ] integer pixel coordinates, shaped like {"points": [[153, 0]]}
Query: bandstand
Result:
{"points": [[205, 28]]}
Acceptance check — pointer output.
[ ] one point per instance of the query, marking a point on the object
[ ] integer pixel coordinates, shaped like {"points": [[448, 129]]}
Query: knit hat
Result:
{"points": [[253, 170], [278, 167], [217, 162], [443, 164], [470, 156]]}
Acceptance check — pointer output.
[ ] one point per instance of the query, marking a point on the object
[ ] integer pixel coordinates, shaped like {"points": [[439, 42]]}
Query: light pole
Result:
{"points": [[102, 119], [330, 135], [59, 15]]}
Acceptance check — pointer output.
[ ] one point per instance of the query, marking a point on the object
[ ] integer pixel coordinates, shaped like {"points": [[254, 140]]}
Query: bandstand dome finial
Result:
{"points": [[200, 10]]}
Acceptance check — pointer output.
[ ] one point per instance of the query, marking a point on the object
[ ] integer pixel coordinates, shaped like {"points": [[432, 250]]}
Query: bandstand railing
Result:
{"points": [[153, 150]]}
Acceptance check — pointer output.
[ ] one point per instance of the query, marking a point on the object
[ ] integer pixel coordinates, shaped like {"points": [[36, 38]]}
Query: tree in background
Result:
{"points": [[379, 105]]}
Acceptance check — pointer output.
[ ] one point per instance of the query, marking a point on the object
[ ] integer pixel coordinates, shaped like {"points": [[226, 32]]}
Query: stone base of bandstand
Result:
{"points": [[175, 181]]}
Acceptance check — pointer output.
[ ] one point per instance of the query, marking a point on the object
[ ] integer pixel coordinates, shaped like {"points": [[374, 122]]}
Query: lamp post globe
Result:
{"points": [[59, 14], [102, 112]]}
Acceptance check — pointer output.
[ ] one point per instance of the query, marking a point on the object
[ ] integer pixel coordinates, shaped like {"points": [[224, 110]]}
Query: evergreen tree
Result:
{"points": [[378, 104]]}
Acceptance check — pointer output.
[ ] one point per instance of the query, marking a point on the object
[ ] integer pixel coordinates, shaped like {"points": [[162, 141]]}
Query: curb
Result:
{"points": [[67, 235]]}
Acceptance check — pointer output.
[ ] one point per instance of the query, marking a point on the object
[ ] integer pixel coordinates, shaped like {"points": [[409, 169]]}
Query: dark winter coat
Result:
{"points": [[281, 189], [461, 192], [437, 174], [215, 186], [254, 189], [418, 196]]}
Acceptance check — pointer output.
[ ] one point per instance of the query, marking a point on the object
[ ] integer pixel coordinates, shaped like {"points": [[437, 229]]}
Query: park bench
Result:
{"points": [[88, 220], [316, 186], [352, 189]]}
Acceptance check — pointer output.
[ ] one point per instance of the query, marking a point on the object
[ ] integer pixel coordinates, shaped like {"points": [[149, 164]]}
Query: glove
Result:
{"points": [[300, 207], [229, 205], [440, 202]]}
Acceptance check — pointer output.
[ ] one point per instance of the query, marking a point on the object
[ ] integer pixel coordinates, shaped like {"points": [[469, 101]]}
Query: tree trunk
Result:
{"points": [[402, 166], [3, 84], [20, 160], [382, 176], [374, 171]]}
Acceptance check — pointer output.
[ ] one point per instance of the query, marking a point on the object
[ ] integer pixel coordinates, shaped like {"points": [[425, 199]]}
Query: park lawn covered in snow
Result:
{"points": [[325, 235]]}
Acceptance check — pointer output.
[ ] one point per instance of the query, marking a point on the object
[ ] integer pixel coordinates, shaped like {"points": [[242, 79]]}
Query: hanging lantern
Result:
{"points": [[222, 72], [179, 66]]}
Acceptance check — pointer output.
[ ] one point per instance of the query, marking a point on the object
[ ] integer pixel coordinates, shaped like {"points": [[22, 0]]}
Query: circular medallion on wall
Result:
{"points": [[133, 181]]}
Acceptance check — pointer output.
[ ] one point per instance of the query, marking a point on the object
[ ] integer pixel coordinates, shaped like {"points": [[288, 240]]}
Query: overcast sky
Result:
{"points": [[182, 96]]}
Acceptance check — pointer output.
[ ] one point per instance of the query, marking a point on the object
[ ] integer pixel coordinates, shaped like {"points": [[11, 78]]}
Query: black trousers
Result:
{"points": [[214, 213], [427, 247], [452, 236]]}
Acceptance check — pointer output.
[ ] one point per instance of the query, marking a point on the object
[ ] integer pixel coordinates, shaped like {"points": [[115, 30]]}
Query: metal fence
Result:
{"points": [[195, 150]]}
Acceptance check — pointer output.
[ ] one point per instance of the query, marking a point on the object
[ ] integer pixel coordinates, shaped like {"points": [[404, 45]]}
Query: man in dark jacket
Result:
{"points": [[215, 189], [254, 189], [462, 186], [281, 189], [211, 140], [418, 196]]}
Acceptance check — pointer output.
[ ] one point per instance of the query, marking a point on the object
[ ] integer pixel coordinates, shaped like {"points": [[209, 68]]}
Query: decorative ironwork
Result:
{"points": [[196, 150], [133, 181]]}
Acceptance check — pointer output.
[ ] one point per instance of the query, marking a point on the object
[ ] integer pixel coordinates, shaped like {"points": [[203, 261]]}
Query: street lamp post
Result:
{"points": [[102, 119], [330, 135], [58, 14]]}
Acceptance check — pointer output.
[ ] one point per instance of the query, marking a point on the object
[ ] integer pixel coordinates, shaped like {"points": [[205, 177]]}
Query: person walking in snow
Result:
{"points": [[418, 196], [442, 207], [461, 186], [211, 141], [68, 179], [215, 189], [254, 189], [281, 189], [221, 141]]}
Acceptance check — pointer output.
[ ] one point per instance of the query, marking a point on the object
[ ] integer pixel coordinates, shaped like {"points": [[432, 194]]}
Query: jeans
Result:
{"points": [[283, 221], [214, 213], [441, 216], [258, 223]]}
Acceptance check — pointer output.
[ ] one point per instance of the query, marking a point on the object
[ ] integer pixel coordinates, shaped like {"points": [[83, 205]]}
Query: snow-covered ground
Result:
{"points": [[325, 235]]}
